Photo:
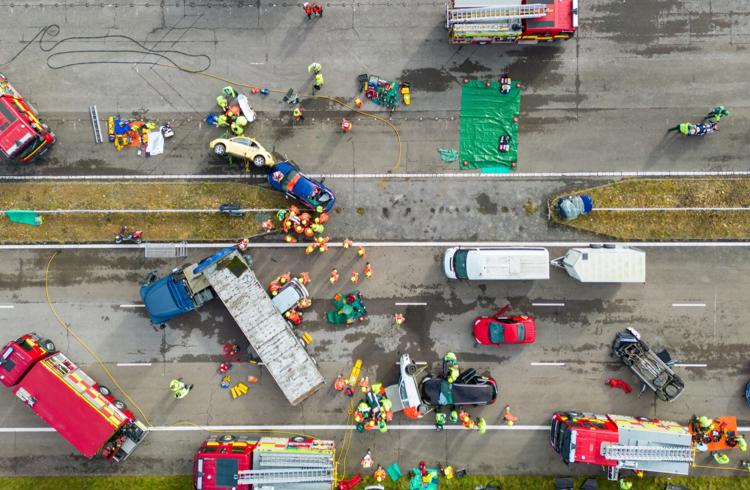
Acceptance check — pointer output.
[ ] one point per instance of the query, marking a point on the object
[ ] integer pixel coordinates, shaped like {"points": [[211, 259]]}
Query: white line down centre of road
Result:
{"points": [[547, 304], [547, 363], [688, 305], [6, 307]]}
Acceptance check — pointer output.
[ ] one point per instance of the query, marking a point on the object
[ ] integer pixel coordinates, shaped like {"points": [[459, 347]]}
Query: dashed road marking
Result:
{"points": [[134, 305], [411, 304], [133, 364], [688, 305], [679, 364], [547, 304], [547, 363], [7, 307]]}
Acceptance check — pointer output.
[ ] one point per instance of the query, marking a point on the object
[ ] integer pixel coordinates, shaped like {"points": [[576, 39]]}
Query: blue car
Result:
{"points": [[286, 177]]}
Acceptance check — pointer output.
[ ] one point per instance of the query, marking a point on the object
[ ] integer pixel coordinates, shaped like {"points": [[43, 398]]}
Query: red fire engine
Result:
{"points": [[511, 21], [619, 442], [23, 136], [239, 463], [68, 400]]}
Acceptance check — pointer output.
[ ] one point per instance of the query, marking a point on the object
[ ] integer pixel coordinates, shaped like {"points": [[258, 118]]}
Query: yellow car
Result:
{"points": [[243, 147]]}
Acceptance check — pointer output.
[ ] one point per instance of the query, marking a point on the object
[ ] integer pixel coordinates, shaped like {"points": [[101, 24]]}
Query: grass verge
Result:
{"points": [[666, 225], [184, 482], [133, 195]]}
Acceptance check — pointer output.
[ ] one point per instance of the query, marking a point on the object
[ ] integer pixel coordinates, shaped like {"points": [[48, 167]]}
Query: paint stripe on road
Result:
{"points": [[411, 304], [547, 363], [286, 428], [6, 307], [679, 364], [375, 244], [133, 364], [134, 305], [688, 305], [394, 176], [547, 304]]}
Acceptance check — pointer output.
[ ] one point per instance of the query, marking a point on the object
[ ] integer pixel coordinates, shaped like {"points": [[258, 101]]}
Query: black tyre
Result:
{"points": [[48, 345], [138, 241], [595, 245], [120, 405], [610, 245], [411, 369], [298, 439], [220, 150], [104, 390], [227, 438], [259, 161]]}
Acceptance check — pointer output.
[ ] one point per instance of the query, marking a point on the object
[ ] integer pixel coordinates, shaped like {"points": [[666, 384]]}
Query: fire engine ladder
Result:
{"points": [[95, 123], [261, 477], [647, 453], [266, 460], [494, 14]]}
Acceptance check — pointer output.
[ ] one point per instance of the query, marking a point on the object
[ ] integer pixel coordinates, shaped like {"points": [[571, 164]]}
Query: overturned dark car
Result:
{"points": [[469, 389]]}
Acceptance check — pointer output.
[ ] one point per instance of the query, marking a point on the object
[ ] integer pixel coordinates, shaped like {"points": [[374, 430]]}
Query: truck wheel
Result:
{"points": [[298, 439], [227, 438], [595, 245], [411, 369], [48, 345], [120, 405], [610, 245], [104, 390]]}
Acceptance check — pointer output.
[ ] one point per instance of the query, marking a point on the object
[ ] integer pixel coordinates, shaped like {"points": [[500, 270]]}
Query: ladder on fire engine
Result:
{"points": [[495, 14], [647, 453], [95, 124], [265, 477], [265, 460]]}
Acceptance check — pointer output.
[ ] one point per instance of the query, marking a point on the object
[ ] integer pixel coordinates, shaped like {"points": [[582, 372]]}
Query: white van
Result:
{"points": [[497, 263], [289, 296]]}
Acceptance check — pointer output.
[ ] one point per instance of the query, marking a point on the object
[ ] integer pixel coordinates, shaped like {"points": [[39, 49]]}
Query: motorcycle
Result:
{"points": [[124, 236], [704, 128]]}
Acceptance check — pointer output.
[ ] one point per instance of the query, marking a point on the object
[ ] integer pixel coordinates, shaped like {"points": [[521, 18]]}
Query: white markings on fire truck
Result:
{"points": [[688, 305]]}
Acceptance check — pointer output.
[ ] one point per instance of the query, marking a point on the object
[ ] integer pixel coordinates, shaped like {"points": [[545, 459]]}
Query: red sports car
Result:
{"points": [[499, 329]]}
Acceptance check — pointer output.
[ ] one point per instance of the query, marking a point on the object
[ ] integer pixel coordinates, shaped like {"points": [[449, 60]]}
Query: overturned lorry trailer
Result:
{"points": [[604, 264], [227, 275], [618, 442]]}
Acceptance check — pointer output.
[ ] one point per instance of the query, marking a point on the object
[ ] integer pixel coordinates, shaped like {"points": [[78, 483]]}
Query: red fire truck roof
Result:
{"points": [[217, 462], [14, 133], [562, 17], [68, 412]]}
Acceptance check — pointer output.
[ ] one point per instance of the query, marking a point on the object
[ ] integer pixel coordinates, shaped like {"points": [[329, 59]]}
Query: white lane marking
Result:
{"points": [[300, 428], [671, 209], [688, 305], [375, 244], [392, 176], [133, 306], [7, 307], [679, 364], [547, 304], [547, 363], [133, 364], [411, 304]]}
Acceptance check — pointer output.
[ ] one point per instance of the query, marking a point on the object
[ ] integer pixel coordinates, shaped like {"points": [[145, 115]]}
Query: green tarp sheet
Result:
{"points": [[24, 217], [486, 115]]}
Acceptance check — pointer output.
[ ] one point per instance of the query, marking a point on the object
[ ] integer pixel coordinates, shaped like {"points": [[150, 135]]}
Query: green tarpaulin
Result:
{"points": [[486, 115], [24, 217]]}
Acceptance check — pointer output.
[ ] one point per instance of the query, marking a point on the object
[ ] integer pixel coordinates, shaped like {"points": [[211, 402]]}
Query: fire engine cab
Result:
{"points": [[511, 21]]}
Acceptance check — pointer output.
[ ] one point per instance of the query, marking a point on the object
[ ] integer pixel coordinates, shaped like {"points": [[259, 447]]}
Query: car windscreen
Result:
{"points": [[459, 263], [497, 333], [288, 178]]}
